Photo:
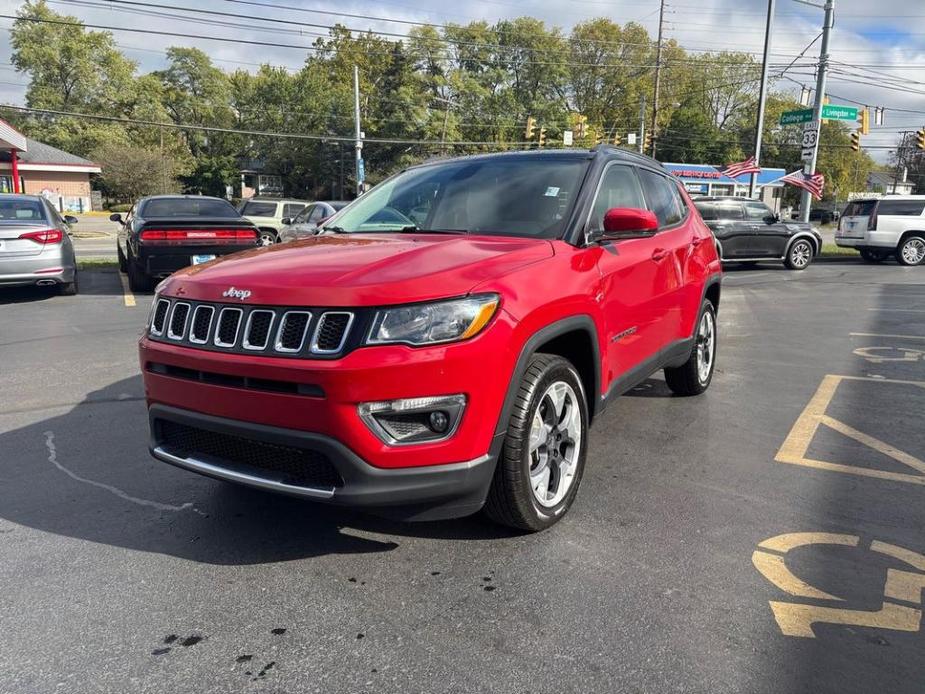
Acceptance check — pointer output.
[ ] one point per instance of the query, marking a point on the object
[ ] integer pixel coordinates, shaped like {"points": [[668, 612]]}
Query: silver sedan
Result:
{"points": [[35, 244], [306, 223]]}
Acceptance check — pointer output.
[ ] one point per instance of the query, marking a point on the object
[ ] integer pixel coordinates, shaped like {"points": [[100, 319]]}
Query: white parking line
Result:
{"points": [[899, 310], [898, 337]]}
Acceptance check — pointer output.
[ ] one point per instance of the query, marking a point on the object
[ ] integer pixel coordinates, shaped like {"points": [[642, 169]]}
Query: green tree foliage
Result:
{"points": [[477, 82], [130, 171]]}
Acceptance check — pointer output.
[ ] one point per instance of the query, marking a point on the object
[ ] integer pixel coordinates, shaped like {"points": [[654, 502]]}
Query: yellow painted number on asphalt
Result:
{"points": [[796, 445], [797, 619]]}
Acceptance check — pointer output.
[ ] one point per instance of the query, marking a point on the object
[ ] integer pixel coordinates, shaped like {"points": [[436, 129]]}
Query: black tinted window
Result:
{"points": [[21, 211], [728, 210], [259, 209], [188, 207], [663, 201], [860, 208], [757, 211], [901, 207]]}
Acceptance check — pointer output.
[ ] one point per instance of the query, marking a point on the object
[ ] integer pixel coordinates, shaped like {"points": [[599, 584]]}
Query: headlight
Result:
{"points": [[426, 324]]}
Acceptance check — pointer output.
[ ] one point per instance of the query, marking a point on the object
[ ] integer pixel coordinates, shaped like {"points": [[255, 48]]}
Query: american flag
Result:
{"points": [[743, 167], [814, 184]]}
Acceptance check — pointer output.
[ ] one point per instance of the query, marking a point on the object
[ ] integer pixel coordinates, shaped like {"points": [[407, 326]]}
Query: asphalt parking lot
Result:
{"points": [[765, 537]]}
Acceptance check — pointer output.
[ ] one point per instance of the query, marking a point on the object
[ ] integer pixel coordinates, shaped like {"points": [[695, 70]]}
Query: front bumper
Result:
{"points": [[419, 493]]}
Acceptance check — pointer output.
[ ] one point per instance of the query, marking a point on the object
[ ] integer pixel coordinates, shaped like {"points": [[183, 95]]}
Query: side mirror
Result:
{"points": [[629, 223], [286, 220], [772, 219], [115, 217], [70, 219]]}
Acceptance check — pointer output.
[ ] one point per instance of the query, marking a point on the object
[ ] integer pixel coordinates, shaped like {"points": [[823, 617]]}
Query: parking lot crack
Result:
{"points": [[53, 459]]}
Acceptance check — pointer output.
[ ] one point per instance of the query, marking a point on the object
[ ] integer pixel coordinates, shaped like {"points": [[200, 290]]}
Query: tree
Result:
{"points": [[131, 172]]}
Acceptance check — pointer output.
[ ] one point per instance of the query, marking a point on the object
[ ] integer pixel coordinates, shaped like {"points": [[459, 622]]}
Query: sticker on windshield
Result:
{"points": [[551, 192]]}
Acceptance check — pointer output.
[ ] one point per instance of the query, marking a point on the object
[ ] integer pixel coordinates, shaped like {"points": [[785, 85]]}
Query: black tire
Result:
{"points": [[686, 379], [267, 237], [911, 250], [123, 265], [874, 256], [138, 281], [511, 499], [69, 288], [800, 254]]}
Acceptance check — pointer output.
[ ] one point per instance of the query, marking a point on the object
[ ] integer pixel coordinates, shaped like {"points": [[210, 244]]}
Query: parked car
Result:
{"points": [[268, 214], [306, 223], [449, 359], [35, 244], [747, 231], [164, 233], [883, 227], [823, 215]]}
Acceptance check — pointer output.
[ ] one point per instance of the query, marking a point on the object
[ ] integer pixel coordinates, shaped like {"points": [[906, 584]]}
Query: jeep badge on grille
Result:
{"points": [[232, 293]]}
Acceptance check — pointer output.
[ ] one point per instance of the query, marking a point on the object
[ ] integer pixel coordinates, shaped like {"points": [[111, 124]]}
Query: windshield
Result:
{"points": [[521, 196], [188, 207]]}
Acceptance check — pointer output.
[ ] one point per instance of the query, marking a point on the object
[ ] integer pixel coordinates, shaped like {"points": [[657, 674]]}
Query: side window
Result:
{"points": [[619, 188], [729, 210], [318, 213], [707, 210], [901, 207], [679, 197], [756, 211], [291, 209], [663, 201], [302, 217]]}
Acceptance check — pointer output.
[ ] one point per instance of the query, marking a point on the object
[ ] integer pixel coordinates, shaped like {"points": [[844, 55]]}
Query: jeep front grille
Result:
{"points": [[286, 332]]}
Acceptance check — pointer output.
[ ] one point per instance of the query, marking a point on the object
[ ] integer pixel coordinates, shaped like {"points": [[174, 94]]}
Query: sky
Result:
{"points": [[881, 44]]}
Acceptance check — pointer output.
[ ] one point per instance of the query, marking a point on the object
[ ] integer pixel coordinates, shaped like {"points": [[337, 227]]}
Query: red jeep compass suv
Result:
{"points": [[444, 344]]}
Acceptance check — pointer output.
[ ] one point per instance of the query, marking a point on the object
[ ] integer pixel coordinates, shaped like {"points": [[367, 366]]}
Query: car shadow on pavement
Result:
{"points": [[101, 282], [87, 474]]}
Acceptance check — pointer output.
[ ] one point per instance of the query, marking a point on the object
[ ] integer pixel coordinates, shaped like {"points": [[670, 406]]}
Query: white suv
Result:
{"points": [[881, 227], [268, 215]]}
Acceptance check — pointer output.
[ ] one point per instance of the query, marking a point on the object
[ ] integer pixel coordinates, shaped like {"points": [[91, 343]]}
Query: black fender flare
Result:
{"points": [[582, 322]]}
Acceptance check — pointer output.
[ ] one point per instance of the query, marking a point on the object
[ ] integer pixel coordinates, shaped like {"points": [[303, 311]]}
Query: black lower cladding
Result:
{"points": [[298, 467]]}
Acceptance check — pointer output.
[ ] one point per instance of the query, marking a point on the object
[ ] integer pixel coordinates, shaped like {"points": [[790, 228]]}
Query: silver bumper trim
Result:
{"points": [[204, 467]]}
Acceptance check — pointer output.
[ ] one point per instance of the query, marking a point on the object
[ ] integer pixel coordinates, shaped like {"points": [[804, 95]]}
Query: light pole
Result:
{"points": [[762, 97]]}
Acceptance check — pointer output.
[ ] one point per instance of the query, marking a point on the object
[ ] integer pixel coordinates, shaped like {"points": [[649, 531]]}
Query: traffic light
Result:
{"points": [[647, 142], [617, 139], [856, 141], [865, 121], [542, 139], [598, 139], [920, 139], [530, 130]]}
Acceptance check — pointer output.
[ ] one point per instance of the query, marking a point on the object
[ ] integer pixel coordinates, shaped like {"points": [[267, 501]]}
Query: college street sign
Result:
{"points": [[829, 112]]}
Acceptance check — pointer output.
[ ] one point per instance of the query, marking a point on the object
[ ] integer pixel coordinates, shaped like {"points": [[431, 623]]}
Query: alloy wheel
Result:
{"points": [[555, 444], [801, 254], [706, 346], [913, 251]]}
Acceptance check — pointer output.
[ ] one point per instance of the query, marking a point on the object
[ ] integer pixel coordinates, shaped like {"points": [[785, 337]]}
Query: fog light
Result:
{"points": [[439, 422], [413, 420]]}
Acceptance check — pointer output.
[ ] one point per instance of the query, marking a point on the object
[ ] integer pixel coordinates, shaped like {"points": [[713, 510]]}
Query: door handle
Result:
{"points": [[659, 253]]}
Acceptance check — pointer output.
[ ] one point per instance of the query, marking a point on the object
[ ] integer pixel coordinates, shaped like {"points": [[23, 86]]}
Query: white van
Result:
{"points": [[881, 227]]}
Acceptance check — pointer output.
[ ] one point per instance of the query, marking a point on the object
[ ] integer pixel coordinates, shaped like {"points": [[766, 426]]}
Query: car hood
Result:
{"points": [[359, 270]]}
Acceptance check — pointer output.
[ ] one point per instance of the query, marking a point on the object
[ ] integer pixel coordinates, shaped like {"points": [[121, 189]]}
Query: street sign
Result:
{"points": [[839, 112], [361, 170], [631, 138], [793, 117], [806, 155], [567, 138], [810, 135], [829, 112]]}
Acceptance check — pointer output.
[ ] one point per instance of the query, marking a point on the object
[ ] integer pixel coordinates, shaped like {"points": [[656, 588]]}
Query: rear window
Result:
{"points": [[860, 208], [21, 211], [188, 207], [901, 207], [259, 209]]}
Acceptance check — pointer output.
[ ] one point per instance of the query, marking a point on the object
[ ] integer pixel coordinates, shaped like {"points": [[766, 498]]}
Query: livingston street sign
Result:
{"points": [[829, 112]]}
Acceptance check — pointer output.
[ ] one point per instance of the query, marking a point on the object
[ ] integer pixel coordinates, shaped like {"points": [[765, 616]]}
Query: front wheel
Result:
{"points": [[800, 255], [267, 237], [543, 457], [911, 251], [694, 376]]}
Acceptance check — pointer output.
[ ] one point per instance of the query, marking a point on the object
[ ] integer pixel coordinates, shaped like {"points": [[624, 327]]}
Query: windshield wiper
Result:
{"points": [[335, 229], [415, 230]]}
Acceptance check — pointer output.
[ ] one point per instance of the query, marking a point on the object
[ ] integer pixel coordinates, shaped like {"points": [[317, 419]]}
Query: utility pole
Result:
{"points": [[658, 74], [360, 173], [762, 97], [829, 7], [642, 122]]}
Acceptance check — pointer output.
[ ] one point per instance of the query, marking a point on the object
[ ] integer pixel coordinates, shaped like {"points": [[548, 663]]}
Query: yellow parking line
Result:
{"points": [[901, 337], [127, 295]]}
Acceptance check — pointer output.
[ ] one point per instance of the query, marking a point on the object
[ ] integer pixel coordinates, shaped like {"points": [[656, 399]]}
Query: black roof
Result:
{"points": [[571, 153], [180, 197]]}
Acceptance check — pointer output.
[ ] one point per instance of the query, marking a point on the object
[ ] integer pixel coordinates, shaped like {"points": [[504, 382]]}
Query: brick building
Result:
{"points": [[30, 166]]}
